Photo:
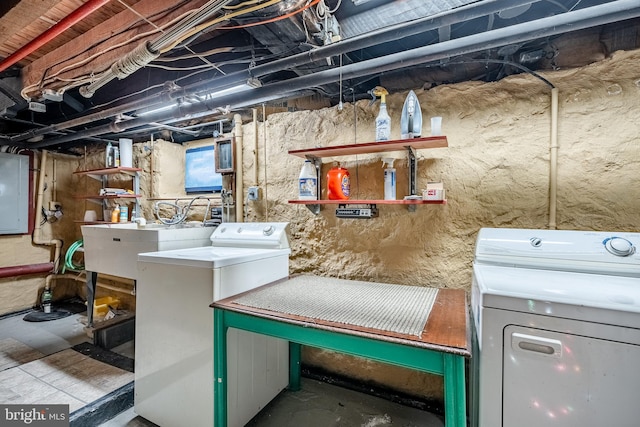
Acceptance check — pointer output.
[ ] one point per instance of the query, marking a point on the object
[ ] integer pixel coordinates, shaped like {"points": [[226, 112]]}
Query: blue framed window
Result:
{"points": [[200, 175]]}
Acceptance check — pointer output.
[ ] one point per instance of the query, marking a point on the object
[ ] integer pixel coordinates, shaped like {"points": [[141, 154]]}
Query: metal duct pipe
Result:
{"points": [[545, 27], [382, 35], [387, 34]]}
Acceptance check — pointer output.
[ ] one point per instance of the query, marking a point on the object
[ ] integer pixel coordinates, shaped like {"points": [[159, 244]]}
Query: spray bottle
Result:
{"points": [[383, 121], [389, 179]]}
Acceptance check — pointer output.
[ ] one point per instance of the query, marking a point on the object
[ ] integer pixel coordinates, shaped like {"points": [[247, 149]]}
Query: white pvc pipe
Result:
{"points": [[553, 160], [264, 137], [255, 146], [37, 232], [237, 119]]}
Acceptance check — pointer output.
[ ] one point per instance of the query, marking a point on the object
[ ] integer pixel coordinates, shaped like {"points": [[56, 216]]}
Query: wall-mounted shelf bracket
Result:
{"points": [[413, 175]]}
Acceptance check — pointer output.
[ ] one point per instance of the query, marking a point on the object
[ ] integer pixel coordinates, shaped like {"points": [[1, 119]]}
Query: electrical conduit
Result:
{"points": [[553, 160], [37, 232], [53, 32], [237, 120]]}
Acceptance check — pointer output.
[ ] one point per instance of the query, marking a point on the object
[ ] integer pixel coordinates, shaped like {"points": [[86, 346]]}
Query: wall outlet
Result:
{"points": [[254, 193]]}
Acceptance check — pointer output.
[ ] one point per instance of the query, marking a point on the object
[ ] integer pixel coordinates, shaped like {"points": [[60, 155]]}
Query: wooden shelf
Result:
{"points": [[97, 222], [368, 202], [99, 173], [109, 196], [372, 147]]}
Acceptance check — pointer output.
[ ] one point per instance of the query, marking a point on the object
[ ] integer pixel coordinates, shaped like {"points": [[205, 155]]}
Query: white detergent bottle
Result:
{"points": [[389, 179], [383, 121], [308, 182]]}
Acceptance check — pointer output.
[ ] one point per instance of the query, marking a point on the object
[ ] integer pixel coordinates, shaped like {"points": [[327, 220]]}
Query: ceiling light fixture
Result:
{"points": [[251, 84]]}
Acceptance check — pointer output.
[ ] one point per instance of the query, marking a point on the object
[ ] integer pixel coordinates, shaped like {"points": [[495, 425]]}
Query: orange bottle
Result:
{"points": [[338, 183]]}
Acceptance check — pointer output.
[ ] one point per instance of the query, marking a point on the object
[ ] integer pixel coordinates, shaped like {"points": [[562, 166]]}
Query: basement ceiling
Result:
{"points": [[77, 73]]}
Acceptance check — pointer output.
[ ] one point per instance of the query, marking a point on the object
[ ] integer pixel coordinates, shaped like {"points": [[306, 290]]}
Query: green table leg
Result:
{"points": [[219, 369], [455, 407], [295, 356]]}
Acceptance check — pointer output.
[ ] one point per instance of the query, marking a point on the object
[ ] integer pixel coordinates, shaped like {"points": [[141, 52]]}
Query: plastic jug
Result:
{"points": [[338, 183], [308, 182]]}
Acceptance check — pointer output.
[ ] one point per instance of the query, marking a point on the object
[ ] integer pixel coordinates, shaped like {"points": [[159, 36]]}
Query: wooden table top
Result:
{"points": [[447, 328]]}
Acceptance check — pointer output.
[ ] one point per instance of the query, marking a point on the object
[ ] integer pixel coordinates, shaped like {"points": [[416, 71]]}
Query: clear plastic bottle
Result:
{"points": [[116, 157], [308, 182], [389, 179]]}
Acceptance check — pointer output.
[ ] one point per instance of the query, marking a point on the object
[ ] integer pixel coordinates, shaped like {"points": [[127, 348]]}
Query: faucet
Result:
{"points": [[180, 212]]}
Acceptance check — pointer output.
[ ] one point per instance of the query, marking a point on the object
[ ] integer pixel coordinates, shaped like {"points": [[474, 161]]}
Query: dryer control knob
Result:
{"points": [[619, 246], [268, 230]]}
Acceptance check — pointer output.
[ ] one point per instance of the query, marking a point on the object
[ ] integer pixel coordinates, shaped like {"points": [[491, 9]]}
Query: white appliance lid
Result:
{"points": [[210, 256], [598, 298], [599, 252], [272, 235]]}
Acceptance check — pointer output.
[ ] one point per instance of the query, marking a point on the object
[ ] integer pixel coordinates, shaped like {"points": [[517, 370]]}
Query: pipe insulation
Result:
{"points": [[553, 160], [544, 27], [148, 51], [387, 34]]}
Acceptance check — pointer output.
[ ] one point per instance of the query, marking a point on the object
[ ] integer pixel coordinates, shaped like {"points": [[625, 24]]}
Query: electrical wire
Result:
{"points": [[204, 26], [207, 53], [499, 61], [268, 21]]}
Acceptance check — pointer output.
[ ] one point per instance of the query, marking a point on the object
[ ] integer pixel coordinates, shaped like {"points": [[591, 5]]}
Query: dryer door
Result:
{"points": [[561, 379]]}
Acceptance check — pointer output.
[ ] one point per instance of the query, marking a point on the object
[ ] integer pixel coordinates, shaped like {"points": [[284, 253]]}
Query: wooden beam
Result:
{"points": [[119, 29], [19, 17]]}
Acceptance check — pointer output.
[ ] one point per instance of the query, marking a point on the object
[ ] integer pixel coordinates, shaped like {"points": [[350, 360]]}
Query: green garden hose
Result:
{"points": [[68, 258]]}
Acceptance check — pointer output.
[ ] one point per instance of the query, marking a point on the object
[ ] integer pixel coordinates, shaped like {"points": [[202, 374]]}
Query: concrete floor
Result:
{"points": [[24, 345]]}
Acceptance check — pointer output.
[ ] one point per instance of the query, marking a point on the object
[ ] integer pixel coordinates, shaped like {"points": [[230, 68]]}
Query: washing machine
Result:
{"points": [[174, 327], [556, 319]]}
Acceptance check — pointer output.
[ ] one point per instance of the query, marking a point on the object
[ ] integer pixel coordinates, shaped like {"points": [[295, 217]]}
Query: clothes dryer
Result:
{"points": [[557, 328]]}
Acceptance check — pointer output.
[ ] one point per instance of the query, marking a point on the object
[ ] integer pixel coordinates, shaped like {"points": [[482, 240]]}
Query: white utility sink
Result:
{"points": [[113, 248]]}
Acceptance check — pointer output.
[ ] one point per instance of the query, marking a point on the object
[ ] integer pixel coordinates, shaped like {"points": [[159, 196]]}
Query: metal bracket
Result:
{"points": [[413, 175]]}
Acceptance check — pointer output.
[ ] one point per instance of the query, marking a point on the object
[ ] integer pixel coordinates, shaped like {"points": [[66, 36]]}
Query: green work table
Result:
{"points": [[441, 348]]}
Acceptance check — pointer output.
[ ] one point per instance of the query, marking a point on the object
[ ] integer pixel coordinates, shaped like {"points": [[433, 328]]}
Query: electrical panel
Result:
{"points": [[14, 194]]}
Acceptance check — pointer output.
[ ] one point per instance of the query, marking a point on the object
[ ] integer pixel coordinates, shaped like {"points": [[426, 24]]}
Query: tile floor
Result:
{"points": [[38, 365]]}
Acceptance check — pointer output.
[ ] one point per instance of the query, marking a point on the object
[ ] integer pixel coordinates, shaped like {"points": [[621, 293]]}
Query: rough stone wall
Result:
{"points": [[495, 170]]}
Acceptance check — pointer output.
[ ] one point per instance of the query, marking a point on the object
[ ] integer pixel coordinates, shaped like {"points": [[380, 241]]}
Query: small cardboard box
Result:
{"points": [[434, 191]]}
